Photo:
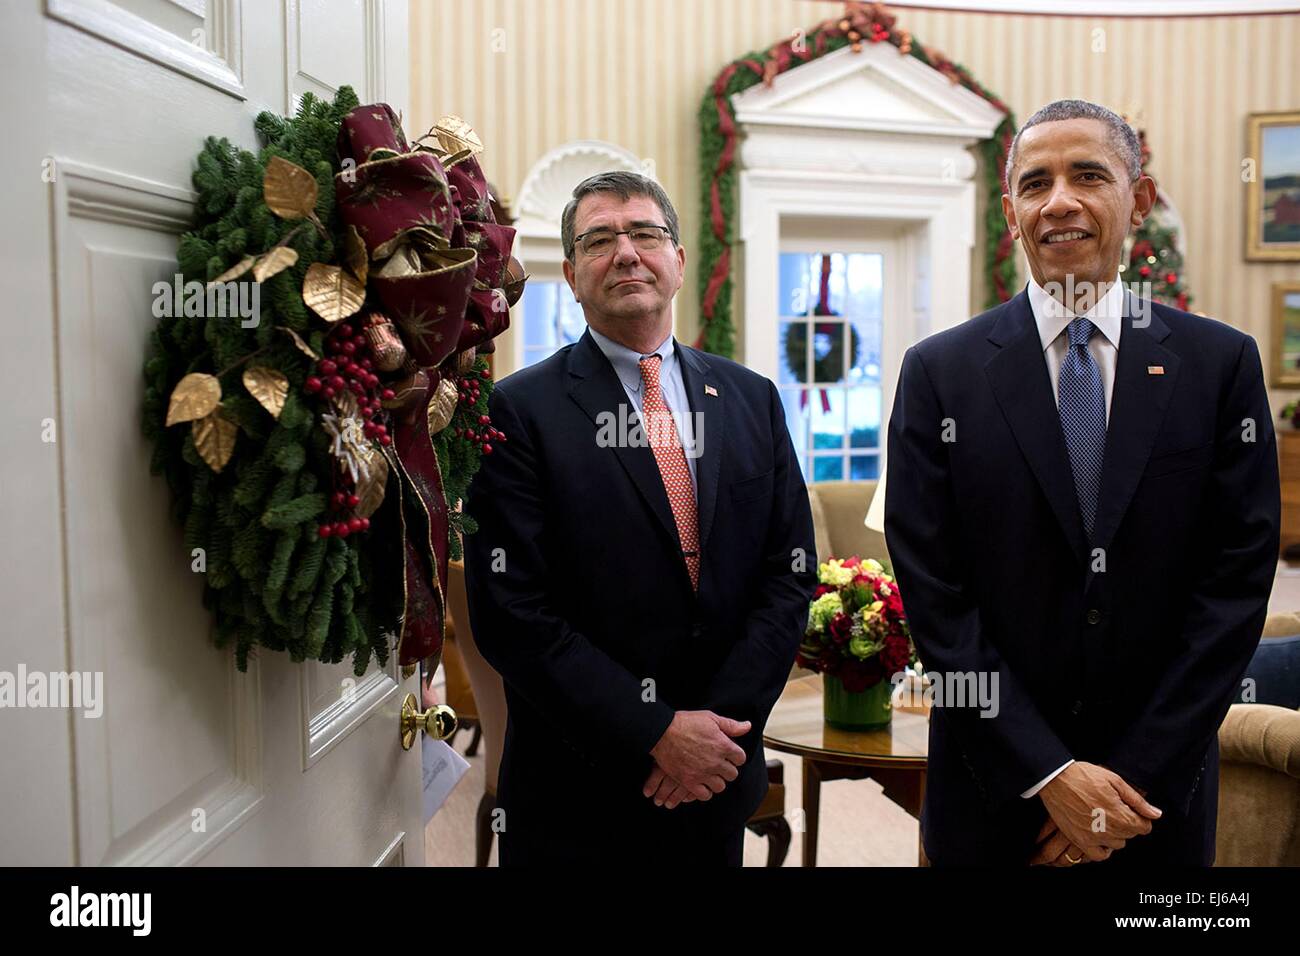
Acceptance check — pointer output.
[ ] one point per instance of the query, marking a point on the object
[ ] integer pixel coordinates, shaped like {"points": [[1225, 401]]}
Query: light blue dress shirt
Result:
{"points": [[627, 365]]}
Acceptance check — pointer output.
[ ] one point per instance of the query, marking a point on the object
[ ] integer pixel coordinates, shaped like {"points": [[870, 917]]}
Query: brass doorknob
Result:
{"points": [[438, 722]]}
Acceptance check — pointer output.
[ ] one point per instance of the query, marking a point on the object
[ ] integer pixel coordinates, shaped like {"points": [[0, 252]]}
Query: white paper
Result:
{"points": [[443, 768]]}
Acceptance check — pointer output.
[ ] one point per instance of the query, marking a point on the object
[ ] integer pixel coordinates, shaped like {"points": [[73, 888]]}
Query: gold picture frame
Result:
{"points": [[1285, 321], [1273, 142]]}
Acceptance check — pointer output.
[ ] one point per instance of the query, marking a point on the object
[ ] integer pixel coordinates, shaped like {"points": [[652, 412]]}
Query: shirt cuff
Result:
{"points": [[1045, 781]]}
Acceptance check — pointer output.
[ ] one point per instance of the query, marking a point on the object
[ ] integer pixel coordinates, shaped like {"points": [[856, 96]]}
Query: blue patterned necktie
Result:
{"points": [[1083, 418]]}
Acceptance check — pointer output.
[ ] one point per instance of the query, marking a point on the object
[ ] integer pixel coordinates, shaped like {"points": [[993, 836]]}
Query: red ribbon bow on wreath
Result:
{"points": [[439, 260]]}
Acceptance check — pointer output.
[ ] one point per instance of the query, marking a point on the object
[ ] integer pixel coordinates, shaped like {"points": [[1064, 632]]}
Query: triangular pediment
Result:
{"points": [[877, 88]]}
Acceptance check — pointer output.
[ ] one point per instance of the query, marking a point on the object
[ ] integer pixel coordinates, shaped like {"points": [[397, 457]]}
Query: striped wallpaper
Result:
{"points": [[533, 74]]}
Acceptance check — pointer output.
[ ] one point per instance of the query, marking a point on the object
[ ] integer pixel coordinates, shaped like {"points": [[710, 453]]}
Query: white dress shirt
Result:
{"points": [[1052, 319]]}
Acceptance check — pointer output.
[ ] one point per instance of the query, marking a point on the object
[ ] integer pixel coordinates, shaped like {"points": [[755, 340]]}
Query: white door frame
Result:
{"points": [[874, 136]]}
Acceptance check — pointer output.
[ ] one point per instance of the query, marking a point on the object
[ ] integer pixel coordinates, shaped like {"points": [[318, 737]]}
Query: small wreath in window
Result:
{"points": [[828, 359]]}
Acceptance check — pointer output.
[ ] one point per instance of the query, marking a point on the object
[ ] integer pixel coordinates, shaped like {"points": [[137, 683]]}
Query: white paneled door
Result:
{"points": [[187, 760]]}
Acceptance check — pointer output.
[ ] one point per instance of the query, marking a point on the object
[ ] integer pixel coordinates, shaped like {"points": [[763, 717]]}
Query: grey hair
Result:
{"points": [[626, 184], [1122, 138]]}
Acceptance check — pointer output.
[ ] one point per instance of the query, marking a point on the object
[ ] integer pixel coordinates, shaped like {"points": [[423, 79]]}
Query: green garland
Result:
{"points": [[718, 170], [271, 579]]}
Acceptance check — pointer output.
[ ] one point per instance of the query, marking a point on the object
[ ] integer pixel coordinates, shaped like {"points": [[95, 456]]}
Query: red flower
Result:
{"points": [[896, 653], [840, 626], [823, 589]]}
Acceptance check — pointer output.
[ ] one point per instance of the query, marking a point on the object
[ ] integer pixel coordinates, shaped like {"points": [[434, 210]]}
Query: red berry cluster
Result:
{"points": [[878, 33], [341, 501], [485, 434], [349, 368]]}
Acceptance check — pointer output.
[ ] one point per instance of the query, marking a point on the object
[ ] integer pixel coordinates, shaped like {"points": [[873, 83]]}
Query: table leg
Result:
{"points": [[922, 859], [812, 784]]}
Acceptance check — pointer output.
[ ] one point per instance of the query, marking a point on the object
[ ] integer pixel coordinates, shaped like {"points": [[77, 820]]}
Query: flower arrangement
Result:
{"points": [[857, 630]]}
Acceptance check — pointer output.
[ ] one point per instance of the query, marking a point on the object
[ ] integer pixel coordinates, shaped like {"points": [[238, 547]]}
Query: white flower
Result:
{"points": [[834, 573]]}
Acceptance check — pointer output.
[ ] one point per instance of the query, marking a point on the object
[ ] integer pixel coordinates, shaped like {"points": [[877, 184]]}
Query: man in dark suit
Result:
{"points": [[642, 567], [1083, 510]]}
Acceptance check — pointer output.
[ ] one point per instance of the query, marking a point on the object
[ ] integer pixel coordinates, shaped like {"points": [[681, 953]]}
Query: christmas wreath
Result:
{"points": [[317, 448], [827, 366]]}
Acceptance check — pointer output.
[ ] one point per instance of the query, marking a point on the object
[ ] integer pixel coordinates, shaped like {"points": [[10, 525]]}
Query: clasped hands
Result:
{"points": [[1073, 799], [695, 758]]}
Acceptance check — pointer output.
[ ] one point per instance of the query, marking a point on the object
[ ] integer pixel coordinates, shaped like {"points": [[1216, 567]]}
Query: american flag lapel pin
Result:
{"points": [[1155, 370], [710, 390]]}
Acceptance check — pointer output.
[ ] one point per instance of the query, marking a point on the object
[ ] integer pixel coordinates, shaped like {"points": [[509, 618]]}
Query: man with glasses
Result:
{"points": [[642, 567]]}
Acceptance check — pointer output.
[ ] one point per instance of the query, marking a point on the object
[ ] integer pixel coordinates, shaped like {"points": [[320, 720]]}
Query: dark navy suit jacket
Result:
{"points": [[580, 598], [1125, 650]]}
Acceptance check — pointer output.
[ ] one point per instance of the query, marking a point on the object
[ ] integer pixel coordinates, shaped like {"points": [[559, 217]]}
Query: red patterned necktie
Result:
{"points": [[661, 431]]}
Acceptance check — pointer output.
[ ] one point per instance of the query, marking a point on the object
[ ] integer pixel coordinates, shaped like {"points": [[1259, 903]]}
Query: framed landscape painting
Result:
{"points": [[1273, 195], [1286, 334]]}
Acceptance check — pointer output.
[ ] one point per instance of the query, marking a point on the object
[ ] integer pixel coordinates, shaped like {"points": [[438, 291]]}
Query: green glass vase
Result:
{"points": [[856, 710]]}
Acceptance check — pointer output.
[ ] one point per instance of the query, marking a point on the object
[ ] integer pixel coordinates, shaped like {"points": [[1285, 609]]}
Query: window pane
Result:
{"points": [[864, 467], [864, 417], [828, 406], [797, 288], [838, 351], [796, 420], [828, 469], [792, 362], [551, 318], [856, 288], [865, 364], [539, 307], [571, 322]]}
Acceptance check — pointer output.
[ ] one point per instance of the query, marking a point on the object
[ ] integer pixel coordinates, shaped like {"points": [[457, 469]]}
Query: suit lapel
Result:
{"points": [[708, 403], [1023, 389], [1138, 405], [595, 387]]}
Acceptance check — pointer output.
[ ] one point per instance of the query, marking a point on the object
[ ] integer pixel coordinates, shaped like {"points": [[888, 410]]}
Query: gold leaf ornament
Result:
{"points": [[370, 489], [214, 439], [235, 271], [454, 135], [442, 406], [300, 344], [358, 258], [268, 386], [332, 293], [288, 189], [194, 396], [275, 261]]}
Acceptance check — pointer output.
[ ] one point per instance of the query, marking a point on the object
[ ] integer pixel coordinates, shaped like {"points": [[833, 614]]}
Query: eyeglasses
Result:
{"points": [[601, 242]]}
